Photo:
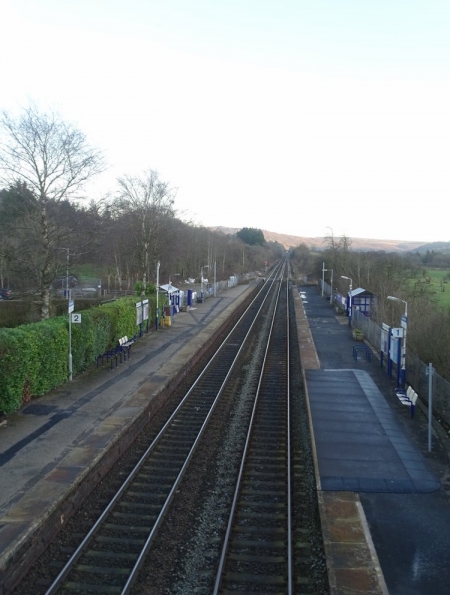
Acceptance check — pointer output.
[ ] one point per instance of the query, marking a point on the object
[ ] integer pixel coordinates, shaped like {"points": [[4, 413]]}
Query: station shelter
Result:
{"points": [[175, 297], [362, 300]]}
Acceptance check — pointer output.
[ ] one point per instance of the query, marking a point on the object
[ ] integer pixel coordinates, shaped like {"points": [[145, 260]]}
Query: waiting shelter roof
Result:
{"points": [[168, 288], [360, 291]]}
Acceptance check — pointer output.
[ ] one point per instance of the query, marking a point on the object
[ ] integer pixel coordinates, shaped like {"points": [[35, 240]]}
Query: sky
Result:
{"points": [[300, 117]]}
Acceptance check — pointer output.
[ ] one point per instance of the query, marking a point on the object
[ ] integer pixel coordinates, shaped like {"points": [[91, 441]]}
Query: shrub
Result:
{"points": [[15, 364], [34, 357]]}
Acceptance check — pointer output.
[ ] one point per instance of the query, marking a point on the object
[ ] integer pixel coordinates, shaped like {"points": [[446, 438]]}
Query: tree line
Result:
{"points": [[394, 274], [47, 220]]}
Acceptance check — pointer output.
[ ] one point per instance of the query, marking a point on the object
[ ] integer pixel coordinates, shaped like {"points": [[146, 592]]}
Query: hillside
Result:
{"points": [[289, 241]]}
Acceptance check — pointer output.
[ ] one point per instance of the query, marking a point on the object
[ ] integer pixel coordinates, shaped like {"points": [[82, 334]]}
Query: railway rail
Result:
{"points": [[261, 497], [257, 548]]}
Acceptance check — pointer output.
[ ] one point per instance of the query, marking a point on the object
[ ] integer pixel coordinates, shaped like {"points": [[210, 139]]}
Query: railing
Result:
{"points": [[416, 370]]}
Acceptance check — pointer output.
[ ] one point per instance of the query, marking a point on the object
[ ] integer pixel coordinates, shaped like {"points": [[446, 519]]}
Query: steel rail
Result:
{"points": [[221, 565]]}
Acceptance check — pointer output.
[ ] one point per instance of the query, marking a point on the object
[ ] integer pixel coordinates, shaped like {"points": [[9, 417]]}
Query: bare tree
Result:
{"points": [[147, 202], [53, 159]]}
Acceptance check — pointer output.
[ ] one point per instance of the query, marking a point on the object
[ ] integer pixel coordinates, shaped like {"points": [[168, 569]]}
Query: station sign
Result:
{"points": [[397, 332]]}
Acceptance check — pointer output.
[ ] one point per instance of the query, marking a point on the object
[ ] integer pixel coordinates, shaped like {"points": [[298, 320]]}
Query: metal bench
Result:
{"points": [[109, 355], [125, 346], [408, 397]]}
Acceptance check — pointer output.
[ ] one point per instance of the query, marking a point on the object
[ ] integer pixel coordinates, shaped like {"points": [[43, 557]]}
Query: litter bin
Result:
{"points": [[168, 311]]}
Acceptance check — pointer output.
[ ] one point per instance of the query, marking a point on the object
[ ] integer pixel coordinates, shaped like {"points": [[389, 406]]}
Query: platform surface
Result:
{"points": [[360, 445]]}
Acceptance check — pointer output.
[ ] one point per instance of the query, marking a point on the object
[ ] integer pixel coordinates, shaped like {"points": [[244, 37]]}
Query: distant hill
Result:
{"points": [[442, 247], [288, 241]]}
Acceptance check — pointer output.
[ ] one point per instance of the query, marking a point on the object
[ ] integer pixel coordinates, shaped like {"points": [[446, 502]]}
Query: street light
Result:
{"points": [[323, 276], [404, 325], [173, 275], [69, 309], [350, 300], [157, 294], [205, 266], [331, 282]]}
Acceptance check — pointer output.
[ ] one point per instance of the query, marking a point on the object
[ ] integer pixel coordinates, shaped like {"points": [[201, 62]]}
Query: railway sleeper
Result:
{"points": [[74, 587], [265, 532], [256, 490], [140, 505], [261, 478], [128, 516], [251, 579], [250, 546], [252, 558], [101, 554], [264, 516], [121, 541], [126, 528], [102, 570]]}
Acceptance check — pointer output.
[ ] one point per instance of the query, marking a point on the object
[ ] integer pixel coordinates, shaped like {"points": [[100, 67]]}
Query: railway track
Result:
{"points": [[259, 537], [257, 550]]}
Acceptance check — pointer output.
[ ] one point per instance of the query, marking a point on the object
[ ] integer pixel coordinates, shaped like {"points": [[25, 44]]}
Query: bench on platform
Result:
{"points": [[408, 397], [362, 349], [118, 354], [125, 346], [111, 355]]}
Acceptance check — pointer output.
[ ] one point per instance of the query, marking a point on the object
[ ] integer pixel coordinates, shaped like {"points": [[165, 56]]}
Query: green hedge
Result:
{"points": [[34, 357]]}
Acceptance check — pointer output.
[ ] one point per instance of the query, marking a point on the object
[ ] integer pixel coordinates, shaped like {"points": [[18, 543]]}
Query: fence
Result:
{"points": [[416, 370]]}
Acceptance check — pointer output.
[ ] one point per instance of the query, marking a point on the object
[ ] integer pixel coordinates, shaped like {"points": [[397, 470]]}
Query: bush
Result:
{"points": [[34, 357], [15, 364]]}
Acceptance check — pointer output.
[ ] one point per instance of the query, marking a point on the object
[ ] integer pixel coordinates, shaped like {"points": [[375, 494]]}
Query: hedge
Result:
{"points": [[34, 357]]}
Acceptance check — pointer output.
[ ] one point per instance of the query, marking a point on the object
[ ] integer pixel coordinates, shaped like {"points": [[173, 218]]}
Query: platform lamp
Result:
{"points": [[173, 275], [331, 287], [205, 266], [404, 325], [331, 283], [70, 310], [158, 264], [350, 300]]}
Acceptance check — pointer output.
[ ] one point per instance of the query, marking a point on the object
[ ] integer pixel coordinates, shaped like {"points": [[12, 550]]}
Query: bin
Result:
{"points": [[168, 311]]}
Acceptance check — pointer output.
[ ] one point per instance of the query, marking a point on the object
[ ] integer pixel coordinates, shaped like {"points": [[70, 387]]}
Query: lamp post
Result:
{"points": [[331, 288], [173, 275], [157, 294], [350, 300], [69, 310], [404, 325], [205, 266], [323, 276], [331, 282]]}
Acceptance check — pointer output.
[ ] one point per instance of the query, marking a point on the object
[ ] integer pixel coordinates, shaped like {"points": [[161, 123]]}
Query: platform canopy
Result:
{"points": [[168, 288]]}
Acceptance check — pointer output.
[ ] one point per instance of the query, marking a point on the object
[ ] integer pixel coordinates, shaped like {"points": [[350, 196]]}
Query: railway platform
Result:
{"points": [[384, 499]]}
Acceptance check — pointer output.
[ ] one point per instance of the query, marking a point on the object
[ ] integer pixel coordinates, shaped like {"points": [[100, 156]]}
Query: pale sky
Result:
{"points": [[294, 116]]}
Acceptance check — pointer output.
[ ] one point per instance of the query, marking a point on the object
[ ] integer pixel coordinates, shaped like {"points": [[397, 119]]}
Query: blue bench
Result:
{"points": [[111, 356], [408, 397], [125, 346], [118, 354]]}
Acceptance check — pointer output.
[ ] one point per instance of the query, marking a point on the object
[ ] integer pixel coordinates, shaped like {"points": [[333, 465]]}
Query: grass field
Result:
{"points": [[440, 285]]}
